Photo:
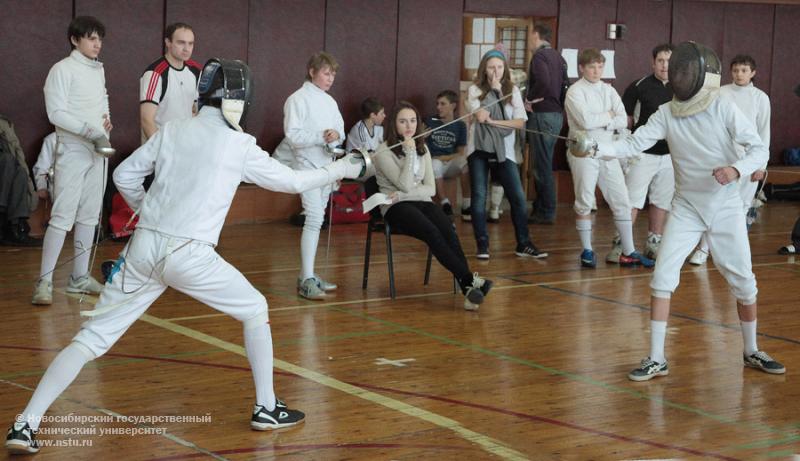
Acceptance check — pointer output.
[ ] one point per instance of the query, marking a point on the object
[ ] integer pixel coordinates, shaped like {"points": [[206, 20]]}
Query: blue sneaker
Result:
{"points": [[635, 259], [588, 259]]}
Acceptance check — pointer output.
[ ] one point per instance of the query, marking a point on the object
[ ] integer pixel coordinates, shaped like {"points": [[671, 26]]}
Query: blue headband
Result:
{"points": [[494, 54]]}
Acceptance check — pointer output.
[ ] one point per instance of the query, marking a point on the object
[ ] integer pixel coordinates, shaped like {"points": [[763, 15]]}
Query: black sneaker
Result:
{"points": [[649, 369], [528, 250], [466, 214], [483, 252], [762, 361], [21, 439], [281, 416], [448, 209]]}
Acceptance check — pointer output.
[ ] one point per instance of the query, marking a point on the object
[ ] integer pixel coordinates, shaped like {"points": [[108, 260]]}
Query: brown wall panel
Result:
{"points": [[428, 57], [513, 7], [220, 27], [785, 77], [33, 38], [741, 17], [583, 23], [134, 38], [646, 28], [362, 35], [283, 35], [701, 22]]}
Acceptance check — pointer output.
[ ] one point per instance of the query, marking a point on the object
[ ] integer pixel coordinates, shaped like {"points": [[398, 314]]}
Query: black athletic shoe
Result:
{"points": [[281, 416], [528, 250], [21, 439], [466, 214], [762, 361], [448, 209], [483, 252]]}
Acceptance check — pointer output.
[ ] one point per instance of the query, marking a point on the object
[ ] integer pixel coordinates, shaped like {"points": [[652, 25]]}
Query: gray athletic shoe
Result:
{"points": [[86, 284], [310, 289], [324, 284], [649, 369], [616, 251], [43, 293], [762, 361]]}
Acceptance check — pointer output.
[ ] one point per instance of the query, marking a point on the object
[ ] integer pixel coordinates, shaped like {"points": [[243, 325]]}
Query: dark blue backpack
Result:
{"points": [[791, 156]]}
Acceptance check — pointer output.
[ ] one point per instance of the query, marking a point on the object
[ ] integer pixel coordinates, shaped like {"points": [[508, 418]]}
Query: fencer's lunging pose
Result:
{"points": [[199, 163], [702, 129]]}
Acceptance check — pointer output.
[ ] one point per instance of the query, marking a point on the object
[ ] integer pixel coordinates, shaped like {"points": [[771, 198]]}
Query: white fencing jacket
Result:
{"points": [[199, 163], [754, 103], [308, 112]]}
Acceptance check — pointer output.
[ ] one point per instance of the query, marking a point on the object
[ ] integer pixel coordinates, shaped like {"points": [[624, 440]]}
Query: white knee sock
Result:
{"points": [[584, 227], [51, 248], [258, 344], [658, 333], [308, 252], [703, 244], [625, 229], [83, 236], [749, 337], [59, 375]]}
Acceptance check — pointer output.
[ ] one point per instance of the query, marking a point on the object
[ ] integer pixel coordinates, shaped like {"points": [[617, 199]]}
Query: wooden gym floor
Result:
{"points": [[538, 373]]}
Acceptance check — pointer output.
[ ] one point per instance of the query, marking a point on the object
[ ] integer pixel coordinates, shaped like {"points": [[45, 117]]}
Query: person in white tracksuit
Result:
{"points": [[702, 129], [198, 164], [754, 103], [77, 104], [312, 121], [594, 106]]}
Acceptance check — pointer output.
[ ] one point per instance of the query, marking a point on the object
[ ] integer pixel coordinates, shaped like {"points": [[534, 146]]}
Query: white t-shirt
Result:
{"points": [[173, 90], [360, 137]]}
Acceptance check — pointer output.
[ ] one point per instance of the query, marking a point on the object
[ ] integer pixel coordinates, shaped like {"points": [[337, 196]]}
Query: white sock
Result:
{"points": [[466, 202], [445, 201], [749, 337], [258, 344], [658, 333], [703, 244], [496, 196], [584, 227], [308, 252], [51, 248], [625, 229], [59, 375], [83, 236]]}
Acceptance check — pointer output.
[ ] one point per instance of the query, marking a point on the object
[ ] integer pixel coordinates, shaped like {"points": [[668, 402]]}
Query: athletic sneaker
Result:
{"points": [[699, 257], [324, 284], [466, 214], [310, 289], [476, 292], [448, 209], [588, 259], [21, 439], [494, 215], [483, 252], [635, 259], [764, 362], [651, 246], [788, 250], [528, 250], [86, 284], [281, 416], [43, 293], [616, 251], [649, 369]]}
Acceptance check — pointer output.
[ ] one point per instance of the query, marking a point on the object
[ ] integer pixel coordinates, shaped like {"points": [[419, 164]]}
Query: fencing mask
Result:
{"points": [[227, 84], [692, 67]]}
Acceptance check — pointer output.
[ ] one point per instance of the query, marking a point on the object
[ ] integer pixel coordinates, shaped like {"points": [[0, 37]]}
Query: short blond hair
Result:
{"points": [[590, 55], [320, 60]]}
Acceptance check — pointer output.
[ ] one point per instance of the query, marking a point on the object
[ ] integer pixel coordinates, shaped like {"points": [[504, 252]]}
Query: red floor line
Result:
{"points": [[530, 417]]}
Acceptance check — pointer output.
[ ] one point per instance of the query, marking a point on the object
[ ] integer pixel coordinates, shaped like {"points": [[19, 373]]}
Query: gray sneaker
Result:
{"points": [[86, 284], [324, 284], [651, 246], [616, 251], [648, 369], [762, 361], [43, 293], [310, 289]]}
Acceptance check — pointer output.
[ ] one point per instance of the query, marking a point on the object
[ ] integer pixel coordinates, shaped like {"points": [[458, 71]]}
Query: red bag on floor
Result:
{"points": [[120, 214], [348, 204]]}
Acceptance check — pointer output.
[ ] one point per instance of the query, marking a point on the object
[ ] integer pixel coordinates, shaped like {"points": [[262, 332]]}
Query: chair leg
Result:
{"points": [[455, 285], [390, 262], [367, 253], [428, 267]]}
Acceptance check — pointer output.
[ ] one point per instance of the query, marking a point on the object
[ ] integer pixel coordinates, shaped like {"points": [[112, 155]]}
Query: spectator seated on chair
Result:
{"points": [[18, 197]]}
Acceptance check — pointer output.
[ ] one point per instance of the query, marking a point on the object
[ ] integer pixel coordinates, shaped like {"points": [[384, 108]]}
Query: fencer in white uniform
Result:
{"points": [[77, 104], [198, 164], [754, 103], [702, 129], [594, 106], [312, 122]]}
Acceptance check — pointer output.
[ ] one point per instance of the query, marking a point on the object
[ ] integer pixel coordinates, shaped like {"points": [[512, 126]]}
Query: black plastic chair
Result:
{"points": [[377, 224]]}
